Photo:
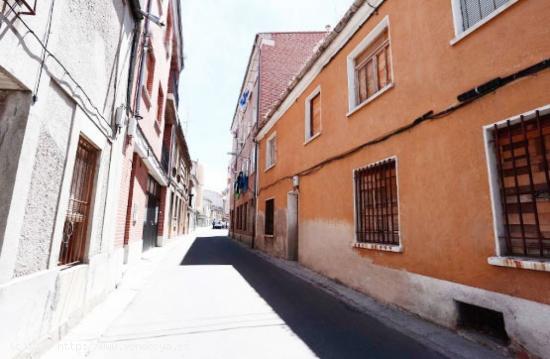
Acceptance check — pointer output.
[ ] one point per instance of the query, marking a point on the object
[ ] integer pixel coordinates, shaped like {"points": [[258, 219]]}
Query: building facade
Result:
{"points": [[144, 209], [274, 60], [71, 150], [179, 190], [61, 113], [213, 206], [409, 161]]}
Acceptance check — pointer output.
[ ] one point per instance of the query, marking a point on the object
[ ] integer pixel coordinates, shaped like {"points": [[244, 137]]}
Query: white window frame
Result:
{"points": [[245, 166], [307, 118], [376, 246], [269, 161], [501, 259], [460, 33], [253, 160], [353, 106]]}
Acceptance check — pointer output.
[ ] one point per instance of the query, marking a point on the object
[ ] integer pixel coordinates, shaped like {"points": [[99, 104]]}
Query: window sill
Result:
{"points": [[270, 167], [466, 33], [379, 247], [370, 99], [542, 265], [268, 236], [312, 138]]}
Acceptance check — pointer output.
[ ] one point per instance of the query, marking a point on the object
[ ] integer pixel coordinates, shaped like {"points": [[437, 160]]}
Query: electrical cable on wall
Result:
{"points": [[104, 130], [464, 99]]}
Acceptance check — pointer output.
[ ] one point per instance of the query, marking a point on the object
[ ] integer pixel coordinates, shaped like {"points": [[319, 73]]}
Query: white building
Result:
{"points": [[64, 69]]}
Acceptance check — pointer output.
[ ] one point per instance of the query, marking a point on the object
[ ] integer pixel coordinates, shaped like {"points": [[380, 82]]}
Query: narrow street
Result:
{"points": [[219, 300]]}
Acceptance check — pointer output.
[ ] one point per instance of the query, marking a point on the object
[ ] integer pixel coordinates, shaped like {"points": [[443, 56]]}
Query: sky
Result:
{"points": [[218, 37]]}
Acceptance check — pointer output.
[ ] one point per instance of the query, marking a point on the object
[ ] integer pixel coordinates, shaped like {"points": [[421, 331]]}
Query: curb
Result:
{"points": [[438, 338]]}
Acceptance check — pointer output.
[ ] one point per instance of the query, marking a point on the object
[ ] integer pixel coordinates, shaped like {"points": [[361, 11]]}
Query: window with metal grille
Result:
{"points": [[376, 203], [473, 11], [269, 216], [373, 68], [77, 218], [521, 151]]}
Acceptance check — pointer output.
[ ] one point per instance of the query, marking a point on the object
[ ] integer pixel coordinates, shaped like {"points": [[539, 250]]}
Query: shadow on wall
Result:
{"points": [[326, 325]]}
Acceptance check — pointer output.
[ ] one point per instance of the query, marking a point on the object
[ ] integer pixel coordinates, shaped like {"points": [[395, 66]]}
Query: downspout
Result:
{"points": [[135, 8], [256, 152], [144, 49]]}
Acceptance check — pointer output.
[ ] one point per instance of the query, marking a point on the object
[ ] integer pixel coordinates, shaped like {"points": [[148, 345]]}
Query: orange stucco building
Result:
{"points": [[382, 168]]}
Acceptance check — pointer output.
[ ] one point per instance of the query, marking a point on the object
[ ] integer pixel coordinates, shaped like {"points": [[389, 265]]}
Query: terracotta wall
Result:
{"points": [[446, 220]]}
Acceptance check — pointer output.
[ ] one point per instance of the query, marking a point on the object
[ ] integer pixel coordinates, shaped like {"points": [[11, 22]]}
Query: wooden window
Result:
{"points": [[160, 105], [150, 73], [271, 153], [473, 11], [269, 216], [373, 68], [313, 114], [522, 155], [78, 212], [377, 219]]}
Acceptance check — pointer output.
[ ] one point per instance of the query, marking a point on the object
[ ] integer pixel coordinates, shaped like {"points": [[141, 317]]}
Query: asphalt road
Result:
{"points": [[325, 325], [211, 298]]}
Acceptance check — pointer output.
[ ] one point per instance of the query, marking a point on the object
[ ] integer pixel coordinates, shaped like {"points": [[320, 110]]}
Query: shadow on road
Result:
{"points": [[327, 326]]}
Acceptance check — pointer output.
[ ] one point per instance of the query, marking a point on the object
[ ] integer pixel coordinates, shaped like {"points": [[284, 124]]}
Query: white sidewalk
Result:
{"points": [[165, 310], [85, 336]]}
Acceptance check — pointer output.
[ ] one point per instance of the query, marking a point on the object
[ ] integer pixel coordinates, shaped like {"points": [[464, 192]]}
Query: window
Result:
{"points": [[77, 218], [269, 216], [313, 114], [160, 105], [473, 11], [150, 72], [253, 160], [520, 150], [376, 203], [244, 167], [369, 66], [372, 68], [271, 152], [245, 216]]}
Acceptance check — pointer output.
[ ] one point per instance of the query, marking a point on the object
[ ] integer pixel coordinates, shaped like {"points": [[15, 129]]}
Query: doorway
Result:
{"points": [[150, 224], [292, 225]]}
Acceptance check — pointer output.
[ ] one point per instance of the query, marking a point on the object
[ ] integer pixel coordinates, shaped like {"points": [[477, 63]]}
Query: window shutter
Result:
{"points": [[372, 83]]}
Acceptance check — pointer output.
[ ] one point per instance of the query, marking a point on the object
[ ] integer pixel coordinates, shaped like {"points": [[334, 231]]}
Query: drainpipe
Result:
{"points": [[256, 152], [144, 49]]}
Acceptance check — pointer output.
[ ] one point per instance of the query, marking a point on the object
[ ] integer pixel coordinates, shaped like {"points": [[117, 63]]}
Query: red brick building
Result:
{"points": [[145, 203], [274, 61]]}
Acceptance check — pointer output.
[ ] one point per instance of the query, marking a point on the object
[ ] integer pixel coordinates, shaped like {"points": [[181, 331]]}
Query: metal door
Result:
{"points": [[77, 219], [150, 225]]}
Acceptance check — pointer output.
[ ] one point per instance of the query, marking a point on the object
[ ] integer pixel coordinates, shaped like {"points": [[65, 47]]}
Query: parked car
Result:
{"points": [[217, 224]]}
